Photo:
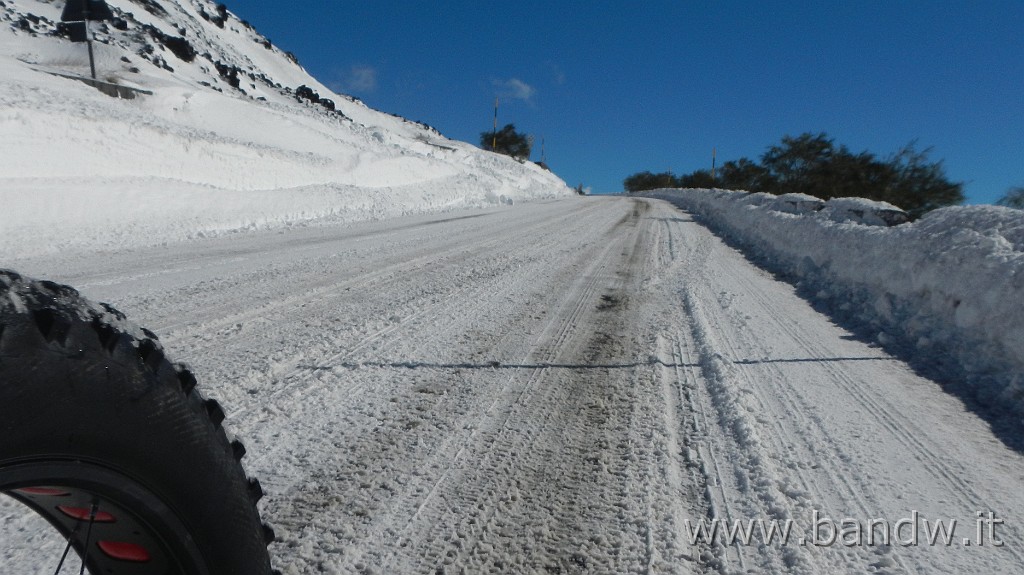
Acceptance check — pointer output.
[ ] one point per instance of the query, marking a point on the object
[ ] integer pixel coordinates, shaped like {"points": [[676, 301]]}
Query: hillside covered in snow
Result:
{"points": [[233, 134]]}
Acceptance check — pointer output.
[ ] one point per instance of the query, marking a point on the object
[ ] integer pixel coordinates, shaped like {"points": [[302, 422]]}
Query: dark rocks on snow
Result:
{"points": [[228, 72], [216, 20], [152, 7], [159, 61], [306, 93], [179, 46], [33, 23], [74, 31], [423, 125]]}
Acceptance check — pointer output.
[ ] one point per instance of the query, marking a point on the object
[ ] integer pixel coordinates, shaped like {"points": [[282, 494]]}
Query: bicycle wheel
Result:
{"points": [[112, 444]]}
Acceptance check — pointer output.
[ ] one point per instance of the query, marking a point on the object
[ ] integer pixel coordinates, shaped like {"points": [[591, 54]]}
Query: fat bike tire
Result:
{"points": [[114, 446]]}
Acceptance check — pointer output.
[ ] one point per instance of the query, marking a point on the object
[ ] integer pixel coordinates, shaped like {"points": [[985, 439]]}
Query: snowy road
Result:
{"points": [[558, 387]]}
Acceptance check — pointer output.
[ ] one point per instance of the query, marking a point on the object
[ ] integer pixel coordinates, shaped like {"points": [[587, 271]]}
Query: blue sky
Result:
{"points": [[616, 87]]}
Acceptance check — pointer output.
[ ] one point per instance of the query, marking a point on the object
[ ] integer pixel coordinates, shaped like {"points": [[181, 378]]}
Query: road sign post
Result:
{"points": [[77, 14]]}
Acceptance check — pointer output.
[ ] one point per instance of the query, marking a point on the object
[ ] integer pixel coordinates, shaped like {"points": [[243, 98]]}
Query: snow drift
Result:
{"points": [[949, 285], [235, 135]]}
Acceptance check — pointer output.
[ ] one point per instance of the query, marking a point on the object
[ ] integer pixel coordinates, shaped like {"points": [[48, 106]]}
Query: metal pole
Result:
{"points": [[494, 140], [714, 153], [92, 60], [88, 37]]}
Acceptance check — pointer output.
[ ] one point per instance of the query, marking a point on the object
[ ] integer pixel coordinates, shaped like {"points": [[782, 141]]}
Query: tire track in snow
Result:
{"points": [[443, 311], [432, 249], [494, 435], [449, 322], [744, 471], [341, 297], [437, 328], [761, 485], [501, 509], [510, 393], [693, 349], [782, 367], [901, 428]]}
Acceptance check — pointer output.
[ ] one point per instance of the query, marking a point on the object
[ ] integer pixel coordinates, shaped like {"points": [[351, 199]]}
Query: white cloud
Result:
{"points": [[359, 78], [515, 88], [362, 79]]}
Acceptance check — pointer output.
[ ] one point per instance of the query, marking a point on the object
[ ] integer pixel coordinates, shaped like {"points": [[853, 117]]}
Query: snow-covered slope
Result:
{"points": [[234, 135], [947, 287]]}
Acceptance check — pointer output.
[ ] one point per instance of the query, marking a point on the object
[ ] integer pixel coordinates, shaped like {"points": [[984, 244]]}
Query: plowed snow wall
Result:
{"points": [[948, 287]]}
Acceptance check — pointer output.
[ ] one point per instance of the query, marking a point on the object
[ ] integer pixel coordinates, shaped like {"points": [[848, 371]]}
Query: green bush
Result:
{"points": [[507, 141], [813, 164], [1014, 198], [649, 181]]}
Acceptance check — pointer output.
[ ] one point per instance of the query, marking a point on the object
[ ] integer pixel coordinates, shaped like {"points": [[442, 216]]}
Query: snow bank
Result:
{"points": [[949, 286], [41, 216], [82, 171]]}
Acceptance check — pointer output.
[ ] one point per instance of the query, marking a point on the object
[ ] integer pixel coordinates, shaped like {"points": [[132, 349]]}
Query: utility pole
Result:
{"points": [[88, 37], [80, 12], [543, 156], [494, 140], [714, 153]]}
